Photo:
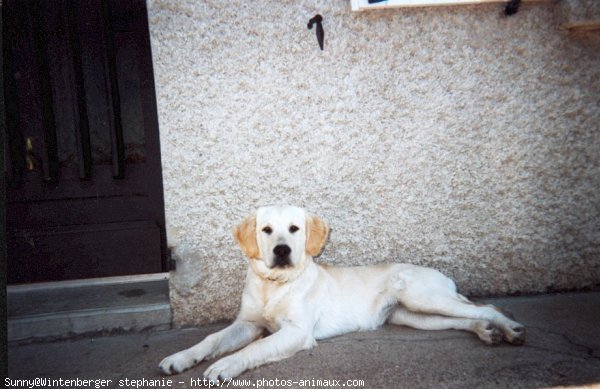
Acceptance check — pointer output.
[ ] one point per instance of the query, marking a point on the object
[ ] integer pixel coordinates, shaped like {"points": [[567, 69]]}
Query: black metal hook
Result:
{"points": [[320, 33], [512, 7]]}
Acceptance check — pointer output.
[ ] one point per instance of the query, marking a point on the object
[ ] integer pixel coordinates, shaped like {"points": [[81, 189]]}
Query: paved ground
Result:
{"points": [[563, 349]]}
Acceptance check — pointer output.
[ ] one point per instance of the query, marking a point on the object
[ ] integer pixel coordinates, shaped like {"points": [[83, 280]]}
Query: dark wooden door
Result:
{"points": [[83, 173]]}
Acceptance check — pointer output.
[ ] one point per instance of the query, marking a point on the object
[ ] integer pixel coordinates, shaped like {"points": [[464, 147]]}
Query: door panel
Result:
{"points": [[82, 142], [48, 254]]}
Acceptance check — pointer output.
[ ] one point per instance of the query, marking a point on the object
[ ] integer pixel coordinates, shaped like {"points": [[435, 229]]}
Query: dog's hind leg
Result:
{"points": [[514, 332], [484, 329], [425, 290]]}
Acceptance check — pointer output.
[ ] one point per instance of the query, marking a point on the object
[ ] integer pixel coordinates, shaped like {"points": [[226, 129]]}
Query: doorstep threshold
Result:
{"points": [[87, 282], [61, 309]]}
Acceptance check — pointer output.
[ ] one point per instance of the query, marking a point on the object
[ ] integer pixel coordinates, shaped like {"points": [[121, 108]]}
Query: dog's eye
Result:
{"points": [[294, 229], [267, 230]]}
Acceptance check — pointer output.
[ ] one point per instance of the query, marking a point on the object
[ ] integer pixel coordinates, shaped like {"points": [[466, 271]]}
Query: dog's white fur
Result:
{"points": [[302, 302]]}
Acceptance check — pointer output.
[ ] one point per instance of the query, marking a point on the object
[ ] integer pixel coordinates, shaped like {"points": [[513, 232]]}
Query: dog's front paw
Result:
{"points": [[177, 363], [224, 369]]}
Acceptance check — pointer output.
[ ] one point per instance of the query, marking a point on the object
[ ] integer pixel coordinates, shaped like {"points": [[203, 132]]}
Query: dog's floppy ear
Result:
{"points": [[316, 235], [245, 235]]}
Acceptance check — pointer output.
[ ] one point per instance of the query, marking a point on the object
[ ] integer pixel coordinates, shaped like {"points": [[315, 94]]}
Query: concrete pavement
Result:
{"points": [[562, 349]]}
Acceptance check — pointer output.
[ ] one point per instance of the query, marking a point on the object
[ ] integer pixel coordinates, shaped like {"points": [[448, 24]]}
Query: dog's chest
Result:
{"points": [[275, 305]]}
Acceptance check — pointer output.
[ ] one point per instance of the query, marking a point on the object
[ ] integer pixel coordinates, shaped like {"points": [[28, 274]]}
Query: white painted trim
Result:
{"points": [[24, 288], [363, 5]]}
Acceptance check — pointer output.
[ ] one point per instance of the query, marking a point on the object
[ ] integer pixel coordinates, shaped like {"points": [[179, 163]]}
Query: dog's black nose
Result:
{"points": [[282, 250]]}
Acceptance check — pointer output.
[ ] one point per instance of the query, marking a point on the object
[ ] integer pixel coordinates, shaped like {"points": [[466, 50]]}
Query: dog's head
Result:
{"points": [[279, 240]]}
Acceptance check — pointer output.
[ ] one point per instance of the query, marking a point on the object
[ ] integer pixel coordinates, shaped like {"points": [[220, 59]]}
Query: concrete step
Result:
{"points": [[101, 305]]}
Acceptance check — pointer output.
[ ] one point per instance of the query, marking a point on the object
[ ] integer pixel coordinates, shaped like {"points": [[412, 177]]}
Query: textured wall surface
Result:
{"points": [[577, 11], [452, 137]]}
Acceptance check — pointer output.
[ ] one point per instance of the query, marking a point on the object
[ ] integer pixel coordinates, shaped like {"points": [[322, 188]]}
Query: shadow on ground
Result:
{"points": [[563, 349]]}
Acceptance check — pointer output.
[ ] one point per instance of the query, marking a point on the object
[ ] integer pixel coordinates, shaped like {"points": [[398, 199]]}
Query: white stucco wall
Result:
{"points": [[452, 137]]}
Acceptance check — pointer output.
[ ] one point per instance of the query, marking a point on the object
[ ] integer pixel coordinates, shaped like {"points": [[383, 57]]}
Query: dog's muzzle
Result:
{"points": [[282, 255]]}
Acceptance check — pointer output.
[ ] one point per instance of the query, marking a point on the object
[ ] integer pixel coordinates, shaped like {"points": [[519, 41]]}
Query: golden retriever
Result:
{"points": [[298, 301]]}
